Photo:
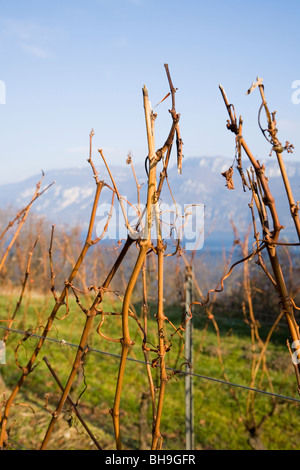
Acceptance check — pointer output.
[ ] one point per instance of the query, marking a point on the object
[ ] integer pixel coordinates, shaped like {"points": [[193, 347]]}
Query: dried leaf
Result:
{"points": [[228, 175], [128, 161]]}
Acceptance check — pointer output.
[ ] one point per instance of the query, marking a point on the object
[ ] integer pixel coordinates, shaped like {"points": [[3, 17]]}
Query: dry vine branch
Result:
{"points": [[73, 405], [23, 216], [90, 315], [145, 351], [20, 214], [162, 348], [60, 301], [144, 245], [278, 148], [208, 304], [251, 424], [18, 305], [263, 197]]}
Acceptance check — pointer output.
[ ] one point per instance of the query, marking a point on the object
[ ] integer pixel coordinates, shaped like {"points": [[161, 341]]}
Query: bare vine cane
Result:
{"points": [[145, 349], [145, 308], [144, 247], [270, 236], [58, 304], [19, 303], [73, 405], [179, 142], [153, 157], [18, 216], [21, 218], [162, 346], [278, 148], [258, 360], [90, 315]]}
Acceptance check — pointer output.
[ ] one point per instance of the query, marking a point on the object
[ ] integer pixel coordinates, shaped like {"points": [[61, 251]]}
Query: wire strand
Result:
{"points": [[175, 371]]}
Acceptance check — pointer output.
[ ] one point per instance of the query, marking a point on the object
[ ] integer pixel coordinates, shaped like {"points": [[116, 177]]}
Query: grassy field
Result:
{"points": [[219, 410]]}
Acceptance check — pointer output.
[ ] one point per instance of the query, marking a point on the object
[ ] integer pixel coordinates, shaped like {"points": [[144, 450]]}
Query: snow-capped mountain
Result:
{"points": [[70, 199]]}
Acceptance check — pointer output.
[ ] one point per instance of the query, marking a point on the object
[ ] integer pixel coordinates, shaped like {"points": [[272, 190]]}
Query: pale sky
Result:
{"points": [[69, 66]]}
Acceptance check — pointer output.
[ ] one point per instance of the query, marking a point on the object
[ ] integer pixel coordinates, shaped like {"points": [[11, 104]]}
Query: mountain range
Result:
{"points": [[70, 199]]}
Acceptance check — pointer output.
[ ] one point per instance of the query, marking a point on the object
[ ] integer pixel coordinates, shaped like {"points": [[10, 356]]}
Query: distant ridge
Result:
{"points": [[70, 199]]}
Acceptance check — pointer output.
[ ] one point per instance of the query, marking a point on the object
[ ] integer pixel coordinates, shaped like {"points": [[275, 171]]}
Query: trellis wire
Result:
{"points": [[175, 371]]}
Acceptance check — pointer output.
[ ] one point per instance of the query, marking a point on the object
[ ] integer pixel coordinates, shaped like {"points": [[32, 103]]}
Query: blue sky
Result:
{"points": [[70, 66]]}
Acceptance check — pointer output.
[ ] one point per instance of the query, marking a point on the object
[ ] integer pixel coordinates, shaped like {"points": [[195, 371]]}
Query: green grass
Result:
{"points": [[218, 413]]}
